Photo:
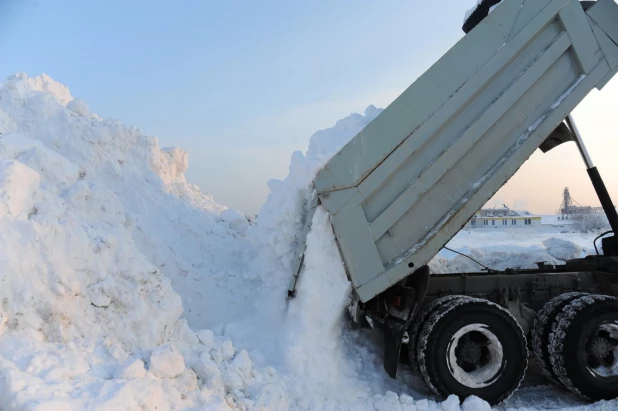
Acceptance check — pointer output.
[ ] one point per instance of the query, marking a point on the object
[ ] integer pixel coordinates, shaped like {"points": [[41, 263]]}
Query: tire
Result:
{"points": [[541, 328], [587, 325], [419, 321], [496, 342]]}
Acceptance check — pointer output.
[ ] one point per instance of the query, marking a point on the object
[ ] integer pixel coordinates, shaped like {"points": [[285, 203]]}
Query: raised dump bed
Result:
{"points": [[405, 185]]}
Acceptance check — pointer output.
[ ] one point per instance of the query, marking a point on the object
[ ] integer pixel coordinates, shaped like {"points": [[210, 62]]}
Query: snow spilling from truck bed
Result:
{"points": [[125, 288]]}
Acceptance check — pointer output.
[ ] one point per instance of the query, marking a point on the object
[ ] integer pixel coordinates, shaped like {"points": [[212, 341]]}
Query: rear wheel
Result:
{"points": [[583, 347], [419, 321], [471, 346], [541, 327]]}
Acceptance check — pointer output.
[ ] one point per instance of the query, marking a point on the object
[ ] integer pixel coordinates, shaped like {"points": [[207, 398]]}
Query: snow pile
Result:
{"points": [[551, 251], [194, 243], [101, 375], [562, 249], [520, 258], [95, 220], [69, 266], [25, 87], [110, 261], [98, 224]]}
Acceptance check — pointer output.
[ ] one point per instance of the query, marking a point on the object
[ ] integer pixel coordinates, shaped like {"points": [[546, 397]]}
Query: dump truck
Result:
{"points": [[400, 190]]}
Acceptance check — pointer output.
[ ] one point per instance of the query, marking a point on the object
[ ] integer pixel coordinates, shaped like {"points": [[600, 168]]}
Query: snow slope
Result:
{"points": [[126, 288], [97, 224]]}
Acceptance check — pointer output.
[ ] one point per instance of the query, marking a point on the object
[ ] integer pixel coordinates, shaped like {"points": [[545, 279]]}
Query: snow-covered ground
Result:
{"points": [[126, 288]]}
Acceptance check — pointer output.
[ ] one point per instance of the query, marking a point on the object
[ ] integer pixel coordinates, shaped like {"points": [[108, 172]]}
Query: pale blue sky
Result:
{"points": [[238, 84]]}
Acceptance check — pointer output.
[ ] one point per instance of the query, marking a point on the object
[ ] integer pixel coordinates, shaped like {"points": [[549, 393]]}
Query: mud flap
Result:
{"points": [[392, 351], [400, 317]]}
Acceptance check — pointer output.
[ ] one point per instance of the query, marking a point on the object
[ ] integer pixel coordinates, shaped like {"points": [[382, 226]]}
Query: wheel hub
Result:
{"points": [[600, 347], [602, 351], [468, 352], [475, 356]]}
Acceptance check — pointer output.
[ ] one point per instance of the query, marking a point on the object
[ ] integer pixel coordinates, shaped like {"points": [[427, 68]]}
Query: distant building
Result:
{"points": [[570, 209], [503, 218]]}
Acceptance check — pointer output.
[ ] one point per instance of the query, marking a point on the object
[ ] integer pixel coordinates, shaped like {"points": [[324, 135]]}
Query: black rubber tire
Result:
{"points": [[436, 337], [541, 327], [419, 321], [568, 338]]}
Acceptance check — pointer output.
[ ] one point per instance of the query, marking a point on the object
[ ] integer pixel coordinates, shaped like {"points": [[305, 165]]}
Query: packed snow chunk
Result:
{"points": [[562, 249], [18, 185], [24, 86], [4, 319], [79, 107], [186, 381], [451, 403], [392, 402], [207, 368], [427, 405], [227, 350], [170, 163], [236, 220], [166, 362], [98, 295], [206, 337], [182, 332], [7, 124], [241, 364], [232, 381], [57, 173], [131, 368], [115, 350], [474, 403]]}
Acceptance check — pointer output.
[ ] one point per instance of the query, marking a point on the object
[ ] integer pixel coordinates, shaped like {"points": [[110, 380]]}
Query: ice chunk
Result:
{"points": [[166, 362], [18, 185], [451, 403], [187, 381], [6, 123], [236, 220], [474, 403], [562, 249], [79, 107], [206, 337], [132, 368]]}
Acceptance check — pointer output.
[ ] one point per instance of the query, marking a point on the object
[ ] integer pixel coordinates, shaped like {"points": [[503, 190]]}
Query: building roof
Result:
{"points": [[509, 212]]}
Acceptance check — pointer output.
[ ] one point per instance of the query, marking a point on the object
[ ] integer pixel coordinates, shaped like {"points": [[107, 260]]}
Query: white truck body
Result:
{"points": [[405, 185]]}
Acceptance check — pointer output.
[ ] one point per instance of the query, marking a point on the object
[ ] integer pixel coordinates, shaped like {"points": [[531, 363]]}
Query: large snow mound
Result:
{"points": [[97, 223], [125, 287]]}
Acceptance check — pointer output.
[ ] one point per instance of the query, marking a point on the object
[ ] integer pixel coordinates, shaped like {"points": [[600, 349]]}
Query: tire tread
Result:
{"points": [[541, 328], [562, 327], [427, 336]]}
